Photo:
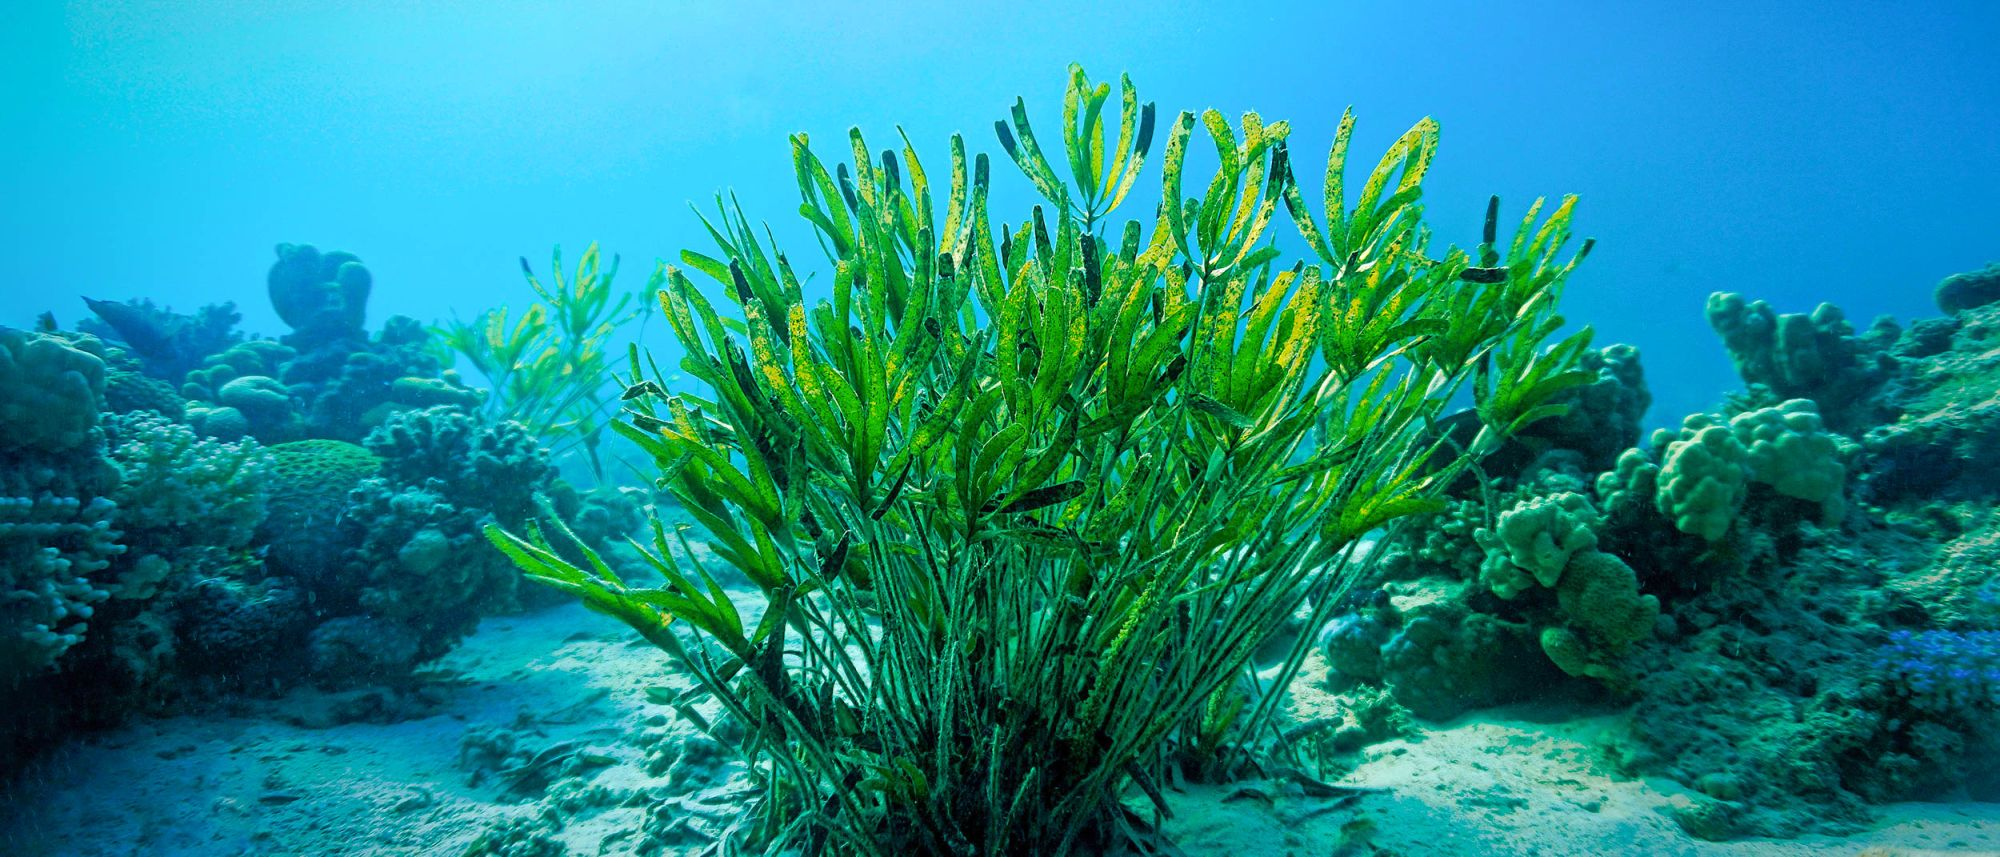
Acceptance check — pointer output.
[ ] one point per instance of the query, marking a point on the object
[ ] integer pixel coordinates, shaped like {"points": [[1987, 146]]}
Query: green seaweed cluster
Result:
{"points": [[1020, 502], [548, 367]]}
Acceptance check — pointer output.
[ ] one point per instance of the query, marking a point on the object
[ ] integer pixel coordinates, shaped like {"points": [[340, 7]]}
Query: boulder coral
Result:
{"points": [[1703, 477], [50, 393], [1960, 292], [1533, 541], [310, 481], [1789, 448]]}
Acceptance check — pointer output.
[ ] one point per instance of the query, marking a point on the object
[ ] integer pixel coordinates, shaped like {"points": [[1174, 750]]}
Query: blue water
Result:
{"points": [[1797, 152]]}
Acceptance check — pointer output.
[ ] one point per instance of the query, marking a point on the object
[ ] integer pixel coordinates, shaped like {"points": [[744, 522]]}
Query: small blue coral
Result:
{"points": [[1944, 671]]}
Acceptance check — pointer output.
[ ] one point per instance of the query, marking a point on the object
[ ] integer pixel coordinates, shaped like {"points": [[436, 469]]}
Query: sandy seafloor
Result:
{"points": [[273, 778]]}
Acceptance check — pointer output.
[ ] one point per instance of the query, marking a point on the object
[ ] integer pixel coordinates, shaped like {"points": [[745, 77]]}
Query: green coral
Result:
{"points": [[1605, 614], [1960, 292], [1790, 450], [1704, 478], [310, 481], [1532, 541]]}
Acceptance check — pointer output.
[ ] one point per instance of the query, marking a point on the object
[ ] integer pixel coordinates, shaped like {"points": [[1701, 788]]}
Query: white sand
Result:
{"points": [[266, 780]]}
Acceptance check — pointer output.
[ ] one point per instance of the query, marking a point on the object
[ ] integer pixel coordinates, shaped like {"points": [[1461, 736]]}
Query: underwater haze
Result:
{"points": [[1353, 429], [1805, 151]]}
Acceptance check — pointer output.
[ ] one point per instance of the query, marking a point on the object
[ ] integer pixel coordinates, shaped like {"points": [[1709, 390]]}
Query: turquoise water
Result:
{"points": [[1740, 600]]}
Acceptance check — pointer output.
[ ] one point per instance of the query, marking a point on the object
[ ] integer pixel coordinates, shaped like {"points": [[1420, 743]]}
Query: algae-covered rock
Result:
{"points": [[1960, 292], [1446, 659]]}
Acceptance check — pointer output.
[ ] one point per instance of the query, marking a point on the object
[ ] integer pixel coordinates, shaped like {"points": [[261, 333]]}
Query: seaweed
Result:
{"points": [[1020, 503]]}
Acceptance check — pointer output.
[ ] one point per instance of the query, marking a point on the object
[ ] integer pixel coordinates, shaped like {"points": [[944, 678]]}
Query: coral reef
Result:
{"points": [[184, 502], [1813, 356], [1604, 416], [1800, 622]]}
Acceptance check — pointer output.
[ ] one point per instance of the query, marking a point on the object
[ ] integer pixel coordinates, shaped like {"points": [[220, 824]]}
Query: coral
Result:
{"points": [[1926, 337], [1799, 356], [183, 502], [1605, 614], [1353, 644], [686, 758], [446, 391], [1446, 659], [236, 394], [310, 483], [1536, 536], [1444, 545], [127, 387], [1790, 450], [349, 386], [1949, 422], [244, 634], [57, 527], [1703, 478], [256, 357], [50, 393], [420, 562], [519, 836], [168, 343], [1957, 587], [494, 467], [50, 546], [1604, 415], [1953, 672], [221, 423], [1769, 695], [324, 297], [1960, 292]]}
